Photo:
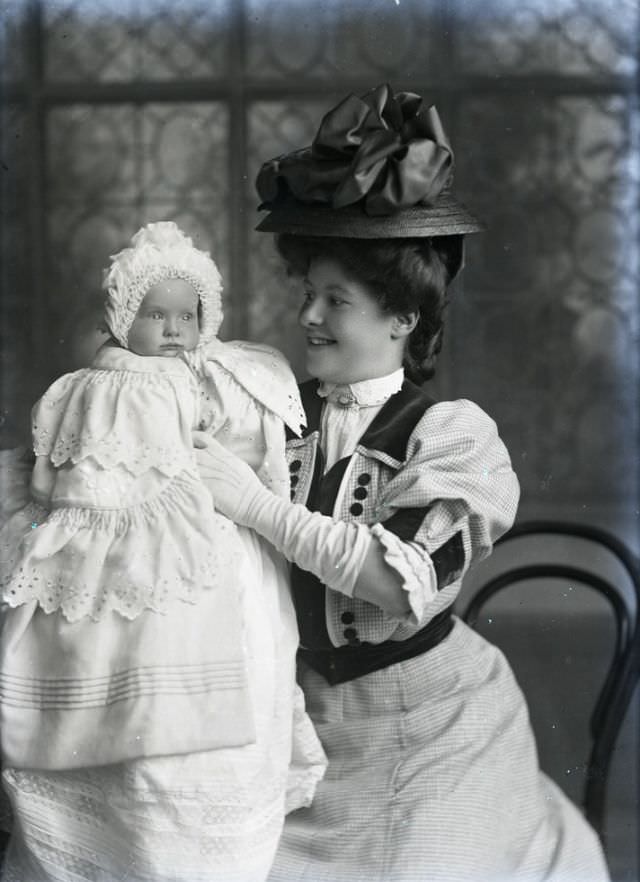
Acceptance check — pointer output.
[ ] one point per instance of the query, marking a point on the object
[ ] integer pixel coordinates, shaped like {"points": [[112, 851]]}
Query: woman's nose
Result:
{"points": [[310, 314]]}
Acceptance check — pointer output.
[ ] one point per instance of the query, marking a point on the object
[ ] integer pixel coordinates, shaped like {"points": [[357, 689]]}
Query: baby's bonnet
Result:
{"points": [[160, 251]]}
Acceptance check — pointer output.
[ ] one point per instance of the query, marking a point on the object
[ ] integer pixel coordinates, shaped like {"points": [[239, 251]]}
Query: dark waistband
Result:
{"points": [[343, 663]]}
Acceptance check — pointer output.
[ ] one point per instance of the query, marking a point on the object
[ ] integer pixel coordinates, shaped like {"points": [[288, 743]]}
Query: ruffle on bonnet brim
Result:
{"points": [[87, 563], [160, 251], [112, 413]]}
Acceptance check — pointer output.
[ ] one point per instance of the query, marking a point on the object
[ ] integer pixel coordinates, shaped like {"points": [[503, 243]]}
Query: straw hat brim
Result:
{"points": [[446, 217]]}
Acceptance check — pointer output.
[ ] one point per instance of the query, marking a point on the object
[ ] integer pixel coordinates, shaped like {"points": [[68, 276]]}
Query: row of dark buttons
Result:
{"points": [[350, 634], [360, 492], [294, 466], [347, 617]]}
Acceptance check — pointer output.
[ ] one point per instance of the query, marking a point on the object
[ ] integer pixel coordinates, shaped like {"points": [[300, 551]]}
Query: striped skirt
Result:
{"points": [[433, 777]]}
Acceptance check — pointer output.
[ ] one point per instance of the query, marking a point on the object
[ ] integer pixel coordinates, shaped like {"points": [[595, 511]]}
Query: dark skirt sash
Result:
{"points": [[343, 663]]}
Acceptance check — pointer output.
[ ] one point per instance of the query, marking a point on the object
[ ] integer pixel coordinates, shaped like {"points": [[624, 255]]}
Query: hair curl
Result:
{"points": [[403, 275]]}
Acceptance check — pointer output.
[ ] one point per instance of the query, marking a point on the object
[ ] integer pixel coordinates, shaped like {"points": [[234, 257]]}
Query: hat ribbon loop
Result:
{"points": [[388, 151]]}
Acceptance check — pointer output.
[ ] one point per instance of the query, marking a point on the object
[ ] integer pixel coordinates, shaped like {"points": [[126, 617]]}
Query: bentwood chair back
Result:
{"points": [[562, 601]]}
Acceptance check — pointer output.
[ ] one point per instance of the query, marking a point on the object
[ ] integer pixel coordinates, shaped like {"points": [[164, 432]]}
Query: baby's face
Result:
{"points": [[166, 323]]}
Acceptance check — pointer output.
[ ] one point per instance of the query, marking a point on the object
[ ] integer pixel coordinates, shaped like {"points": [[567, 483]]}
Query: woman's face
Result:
{"points": [[166, 323], [348, 336]]}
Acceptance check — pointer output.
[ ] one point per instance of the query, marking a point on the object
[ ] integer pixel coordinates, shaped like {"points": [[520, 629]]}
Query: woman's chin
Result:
{"points": [[320, 364]]}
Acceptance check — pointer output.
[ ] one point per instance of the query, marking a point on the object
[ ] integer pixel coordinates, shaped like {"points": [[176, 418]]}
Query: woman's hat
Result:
{"points": [[379, 166], [160, 251]]}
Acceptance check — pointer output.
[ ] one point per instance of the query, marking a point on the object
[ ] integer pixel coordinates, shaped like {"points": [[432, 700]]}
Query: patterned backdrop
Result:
{"points": [[115, 113]]}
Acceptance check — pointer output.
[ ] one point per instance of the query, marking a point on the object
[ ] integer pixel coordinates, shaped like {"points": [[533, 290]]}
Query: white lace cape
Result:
{"points": [[131, 526], [260, 370]]}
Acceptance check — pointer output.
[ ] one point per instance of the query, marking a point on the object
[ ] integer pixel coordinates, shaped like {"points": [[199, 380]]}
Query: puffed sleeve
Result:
{"points": [[454, 497], [48, 412]]}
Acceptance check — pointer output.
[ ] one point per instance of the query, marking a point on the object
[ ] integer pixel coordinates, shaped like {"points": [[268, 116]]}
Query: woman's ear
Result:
{"points": [[403, 324]]}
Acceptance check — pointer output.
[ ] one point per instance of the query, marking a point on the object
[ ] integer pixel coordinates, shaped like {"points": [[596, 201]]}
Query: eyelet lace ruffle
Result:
{"points": [[88, 562], [105, 414]]}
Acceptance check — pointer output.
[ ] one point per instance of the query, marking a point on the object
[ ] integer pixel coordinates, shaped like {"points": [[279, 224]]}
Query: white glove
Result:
{"points": [[334, 551]]}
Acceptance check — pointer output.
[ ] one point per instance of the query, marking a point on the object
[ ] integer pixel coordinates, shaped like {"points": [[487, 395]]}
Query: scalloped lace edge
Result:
{"points": [[129, 601], [108, 454]]}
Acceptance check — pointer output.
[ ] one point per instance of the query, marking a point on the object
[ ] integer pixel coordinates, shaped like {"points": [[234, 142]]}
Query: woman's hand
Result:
{"points": [[232, 483]]}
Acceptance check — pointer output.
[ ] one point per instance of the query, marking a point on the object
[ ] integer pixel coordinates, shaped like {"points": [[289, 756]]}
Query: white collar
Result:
{"points": [[365, 393]]}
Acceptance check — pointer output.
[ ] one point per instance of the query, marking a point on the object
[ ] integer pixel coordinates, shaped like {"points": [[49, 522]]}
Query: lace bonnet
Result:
{"points": [[160, 251]]}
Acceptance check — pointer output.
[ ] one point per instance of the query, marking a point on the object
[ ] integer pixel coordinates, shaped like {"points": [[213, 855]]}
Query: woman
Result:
{"points": [[433, 772]]}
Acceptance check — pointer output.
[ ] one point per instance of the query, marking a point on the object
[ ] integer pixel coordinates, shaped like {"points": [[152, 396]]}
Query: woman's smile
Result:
{"points": [[319, 341], [348, 336]]}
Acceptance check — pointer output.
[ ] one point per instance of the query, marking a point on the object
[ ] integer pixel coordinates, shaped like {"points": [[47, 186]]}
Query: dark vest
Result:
{"points": [[389, 432]]}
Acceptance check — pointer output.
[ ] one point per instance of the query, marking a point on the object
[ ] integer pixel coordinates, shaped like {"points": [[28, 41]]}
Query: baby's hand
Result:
{"points": [[231, 482]]}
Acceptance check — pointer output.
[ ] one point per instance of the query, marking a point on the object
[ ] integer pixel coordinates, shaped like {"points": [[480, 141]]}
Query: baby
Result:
{"points": [[148, 701]]}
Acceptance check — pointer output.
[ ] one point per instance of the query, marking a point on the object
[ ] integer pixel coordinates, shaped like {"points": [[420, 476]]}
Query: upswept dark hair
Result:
{"points": [[404, 275]]}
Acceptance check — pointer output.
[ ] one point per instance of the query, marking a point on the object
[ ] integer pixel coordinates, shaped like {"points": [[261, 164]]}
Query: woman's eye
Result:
{"points": [[307, 295], [187, 317], [337, 301], [156, 315]]}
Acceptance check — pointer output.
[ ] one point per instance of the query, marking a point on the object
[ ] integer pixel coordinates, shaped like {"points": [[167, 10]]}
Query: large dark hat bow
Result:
{"points": [[390, 151], [376, 163]]}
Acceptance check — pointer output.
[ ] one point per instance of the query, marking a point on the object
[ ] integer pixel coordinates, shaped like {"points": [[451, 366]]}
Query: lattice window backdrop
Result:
{"points": [[115, 112]]}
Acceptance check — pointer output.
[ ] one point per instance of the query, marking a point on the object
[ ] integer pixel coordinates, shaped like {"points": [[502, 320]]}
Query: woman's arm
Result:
{"points": [[344, 555], [445, 507], [381, 584]]}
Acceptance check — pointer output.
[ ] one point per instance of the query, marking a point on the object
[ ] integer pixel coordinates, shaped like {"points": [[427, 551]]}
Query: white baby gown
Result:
{"points": [[151, 727]]}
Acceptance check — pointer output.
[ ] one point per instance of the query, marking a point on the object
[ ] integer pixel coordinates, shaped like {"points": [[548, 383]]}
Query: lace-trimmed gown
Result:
{"points": [[149, 711]]}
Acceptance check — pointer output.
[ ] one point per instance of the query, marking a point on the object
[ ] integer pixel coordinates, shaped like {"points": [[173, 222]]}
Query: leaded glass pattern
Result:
{"points": [[333, 39], [12, 15], [111, 169], [184, 40], [539, 99], [104, 41], [552, 289], [89, 40], [275, 127], [91, 153], [575, 37]]}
